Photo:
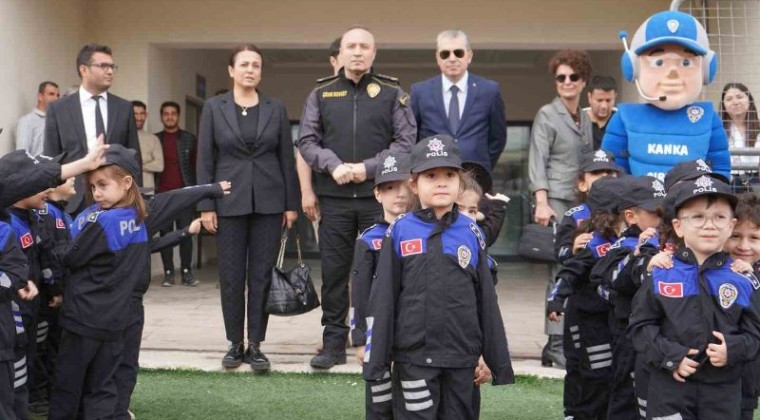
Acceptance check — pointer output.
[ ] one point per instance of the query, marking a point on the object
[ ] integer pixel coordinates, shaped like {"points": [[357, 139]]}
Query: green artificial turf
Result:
{"points": [[167, 395]]}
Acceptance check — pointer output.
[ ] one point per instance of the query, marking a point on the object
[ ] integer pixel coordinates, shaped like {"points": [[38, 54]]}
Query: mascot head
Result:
{"points": [[670, 60]]}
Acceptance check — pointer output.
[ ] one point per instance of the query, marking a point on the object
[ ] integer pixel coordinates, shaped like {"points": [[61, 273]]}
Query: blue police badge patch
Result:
{"points": [[727, 293], [478, 234]]}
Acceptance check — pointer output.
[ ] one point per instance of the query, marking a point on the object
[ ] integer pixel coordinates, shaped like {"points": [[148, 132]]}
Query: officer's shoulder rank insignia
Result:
{"points": [[43, 211], [727, 293], [327, 79], [404, 99], [386, 77], [373, 89], [695, 113], [464, 255]]}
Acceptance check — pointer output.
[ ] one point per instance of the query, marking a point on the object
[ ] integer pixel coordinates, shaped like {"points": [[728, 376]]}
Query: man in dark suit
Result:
{"points": [[478, 122], [73, 123], [179, 148]]}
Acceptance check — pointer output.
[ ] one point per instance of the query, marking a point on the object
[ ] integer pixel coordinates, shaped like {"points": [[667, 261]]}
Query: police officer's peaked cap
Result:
{"points": [[439, 151], [598, 160], [124, 158], [606, 193], [671, 27], [644, 192]]}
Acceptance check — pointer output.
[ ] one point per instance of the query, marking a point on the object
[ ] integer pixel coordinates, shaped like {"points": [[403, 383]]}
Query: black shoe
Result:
{"points": [[328, 359], [188, 279], [257, 359], [168, 279], [234, 356], [39, 408]]}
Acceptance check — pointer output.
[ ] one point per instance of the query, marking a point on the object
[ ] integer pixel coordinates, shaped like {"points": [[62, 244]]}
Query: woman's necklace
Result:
{"points": [[245, 110]]}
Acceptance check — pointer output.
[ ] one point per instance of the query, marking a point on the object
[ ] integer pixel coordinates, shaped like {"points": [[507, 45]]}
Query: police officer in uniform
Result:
{"points": [[348, 120]]}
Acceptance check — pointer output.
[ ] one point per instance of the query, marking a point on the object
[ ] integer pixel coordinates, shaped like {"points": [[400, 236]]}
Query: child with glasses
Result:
{"points": [[698, 322]]}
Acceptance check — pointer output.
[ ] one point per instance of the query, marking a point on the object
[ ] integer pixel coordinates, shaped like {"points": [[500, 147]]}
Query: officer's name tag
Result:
{"points": [[335, 94]]}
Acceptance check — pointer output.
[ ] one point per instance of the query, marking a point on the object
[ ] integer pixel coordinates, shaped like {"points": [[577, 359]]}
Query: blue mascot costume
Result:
{"points": [[669, 60]]}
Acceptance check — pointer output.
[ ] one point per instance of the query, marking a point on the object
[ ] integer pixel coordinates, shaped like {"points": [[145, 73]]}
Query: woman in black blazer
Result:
{"points": [[245, 138]]}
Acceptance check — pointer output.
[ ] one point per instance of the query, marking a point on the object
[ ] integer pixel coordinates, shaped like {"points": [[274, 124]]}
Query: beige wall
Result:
{"points": [[510, 24], [39, 41]]}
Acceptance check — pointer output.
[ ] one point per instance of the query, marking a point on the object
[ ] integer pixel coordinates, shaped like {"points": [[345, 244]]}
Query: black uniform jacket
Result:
{"points": [[363, 268], [433, 302], [678, 308], [108, 256], [13, 275], [571, 221]]}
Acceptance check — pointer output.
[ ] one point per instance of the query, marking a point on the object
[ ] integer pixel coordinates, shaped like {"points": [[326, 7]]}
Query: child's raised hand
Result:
{"points": [[498, 196], [29, 292], [581, 241], [226, 186], [195, 226], [482, 372], [97, 155], [360, 355], [646, 235], [717, 352], [687, 367], [741, 266], [663, 259]]}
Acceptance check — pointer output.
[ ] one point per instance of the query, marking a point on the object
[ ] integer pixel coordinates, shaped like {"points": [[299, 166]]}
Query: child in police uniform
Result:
{"points": [[744, 245], [393, 193], [433, 308], [696, 323]]}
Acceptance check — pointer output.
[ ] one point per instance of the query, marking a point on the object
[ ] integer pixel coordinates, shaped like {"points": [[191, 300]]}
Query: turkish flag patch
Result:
{"points": [[26, 240], [377, 243], [59, 224], [411, 247], [603, 248], [672, 290]]}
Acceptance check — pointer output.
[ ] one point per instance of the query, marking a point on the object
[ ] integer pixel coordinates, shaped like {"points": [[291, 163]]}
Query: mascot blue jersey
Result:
{"points": [[647, 140]]}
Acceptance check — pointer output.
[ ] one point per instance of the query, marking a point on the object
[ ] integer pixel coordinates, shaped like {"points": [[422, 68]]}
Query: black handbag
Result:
{"points": [[537, 242], [291, 292]]}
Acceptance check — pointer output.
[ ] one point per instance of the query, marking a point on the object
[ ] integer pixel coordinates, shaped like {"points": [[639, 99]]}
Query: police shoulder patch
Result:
{"points": [[93, 217], [404, 99], [752, 279], [478, 234], [573, 210], [389, 232]]}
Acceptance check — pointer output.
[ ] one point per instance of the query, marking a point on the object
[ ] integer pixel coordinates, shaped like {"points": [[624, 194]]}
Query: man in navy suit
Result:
{"points": [[478, 121]]}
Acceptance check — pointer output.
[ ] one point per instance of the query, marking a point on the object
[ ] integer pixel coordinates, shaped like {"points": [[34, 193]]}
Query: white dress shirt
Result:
{"points": [[88, 114], [736, 139], [461, 95]]}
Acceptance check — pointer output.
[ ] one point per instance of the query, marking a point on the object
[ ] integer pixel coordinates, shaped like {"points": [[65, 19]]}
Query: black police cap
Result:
{"points": [[124, 158], [645, 192], [393, 167], [690, 170], [606, 193], [598, 160], [439, 151], [703, 185]]}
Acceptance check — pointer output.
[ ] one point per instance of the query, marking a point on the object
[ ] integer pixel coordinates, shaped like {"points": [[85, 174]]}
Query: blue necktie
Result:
{"points": [[454, 110]]}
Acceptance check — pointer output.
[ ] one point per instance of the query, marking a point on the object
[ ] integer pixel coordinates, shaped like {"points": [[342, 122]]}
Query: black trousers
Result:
{"points": [[750, 388], [692, 400], [623, 404], [85, 372], [21, 372], [182, 221], [641, 385], [342, 220], [595, 364], [6, 390], [126, 373], [434, 393], [247, 249], [571, 346], [379, 399]]}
